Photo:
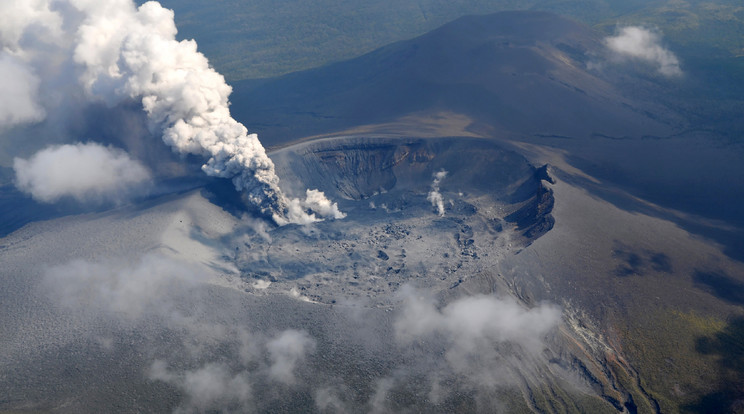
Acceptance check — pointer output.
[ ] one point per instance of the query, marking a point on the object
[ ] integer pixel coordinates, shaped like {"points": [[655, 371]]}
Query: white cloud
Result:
{"points": [[480, 333], [19, 90], [379, 401], [327, 400], [123, 289], [156, 287], [634, 42], [434, 196], [213, 387], [219, 387], [84, 172], [287, 350], [471, 319]]}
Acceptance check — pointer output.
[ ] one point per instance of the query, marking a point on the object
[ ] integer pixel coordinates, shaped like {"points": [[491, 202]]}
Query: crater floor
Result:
{"points": [[494, 203]]}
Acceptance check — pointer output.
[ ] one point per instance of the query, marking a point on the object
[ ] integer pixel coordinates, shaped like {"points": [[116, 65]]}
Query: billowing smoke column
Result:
{"points": [[126, 52]]}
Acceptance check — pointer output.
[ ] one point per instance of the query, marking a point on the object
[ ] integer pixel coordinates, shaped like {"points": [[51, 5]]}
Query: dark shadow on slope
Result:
{"points": [[660, 262], [221, 192], [18, 209], [631, 263], [728, 346], [720, 285], [534, 219], [639, 262]]}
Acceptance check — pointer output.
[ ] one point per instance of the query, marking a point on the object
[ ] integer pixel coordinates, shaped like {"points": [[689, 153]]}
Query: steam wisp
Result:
{"points": [[434, 196]]}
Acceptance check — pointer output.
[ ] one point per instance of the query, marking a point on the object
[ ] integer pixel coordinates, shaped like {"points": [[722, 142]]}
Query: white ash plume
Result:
{"points": [[129, 52], [304, 211]]}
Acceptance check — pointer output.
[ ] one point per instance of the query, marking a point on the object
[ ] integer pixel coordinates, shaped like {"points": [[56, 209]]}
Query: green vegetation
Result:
{"points": [[262, 38], [665, 345]]}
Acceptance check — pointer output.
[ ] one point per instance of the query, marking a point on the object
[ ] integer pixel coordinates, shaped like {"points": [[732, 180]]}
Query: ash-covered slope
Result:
{"points": [[525, 72], [400, 306], [176, 305]]}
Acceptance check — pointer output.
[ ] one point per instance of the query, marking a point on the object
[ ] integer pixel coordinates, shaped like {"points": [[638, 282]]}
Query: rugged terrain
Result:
{"points": [[522, 233]]}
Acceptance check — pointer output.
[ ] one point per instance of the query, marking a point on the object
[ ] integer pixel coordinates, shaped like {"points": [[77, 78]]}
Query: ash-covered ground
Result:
{"points": [[176, 304], [462, 278]]}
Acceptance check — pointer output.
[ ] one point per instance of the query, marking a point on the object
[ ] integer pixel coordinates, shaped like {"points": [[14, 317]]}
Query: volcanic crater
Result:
{"points": [[494, 203]]}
